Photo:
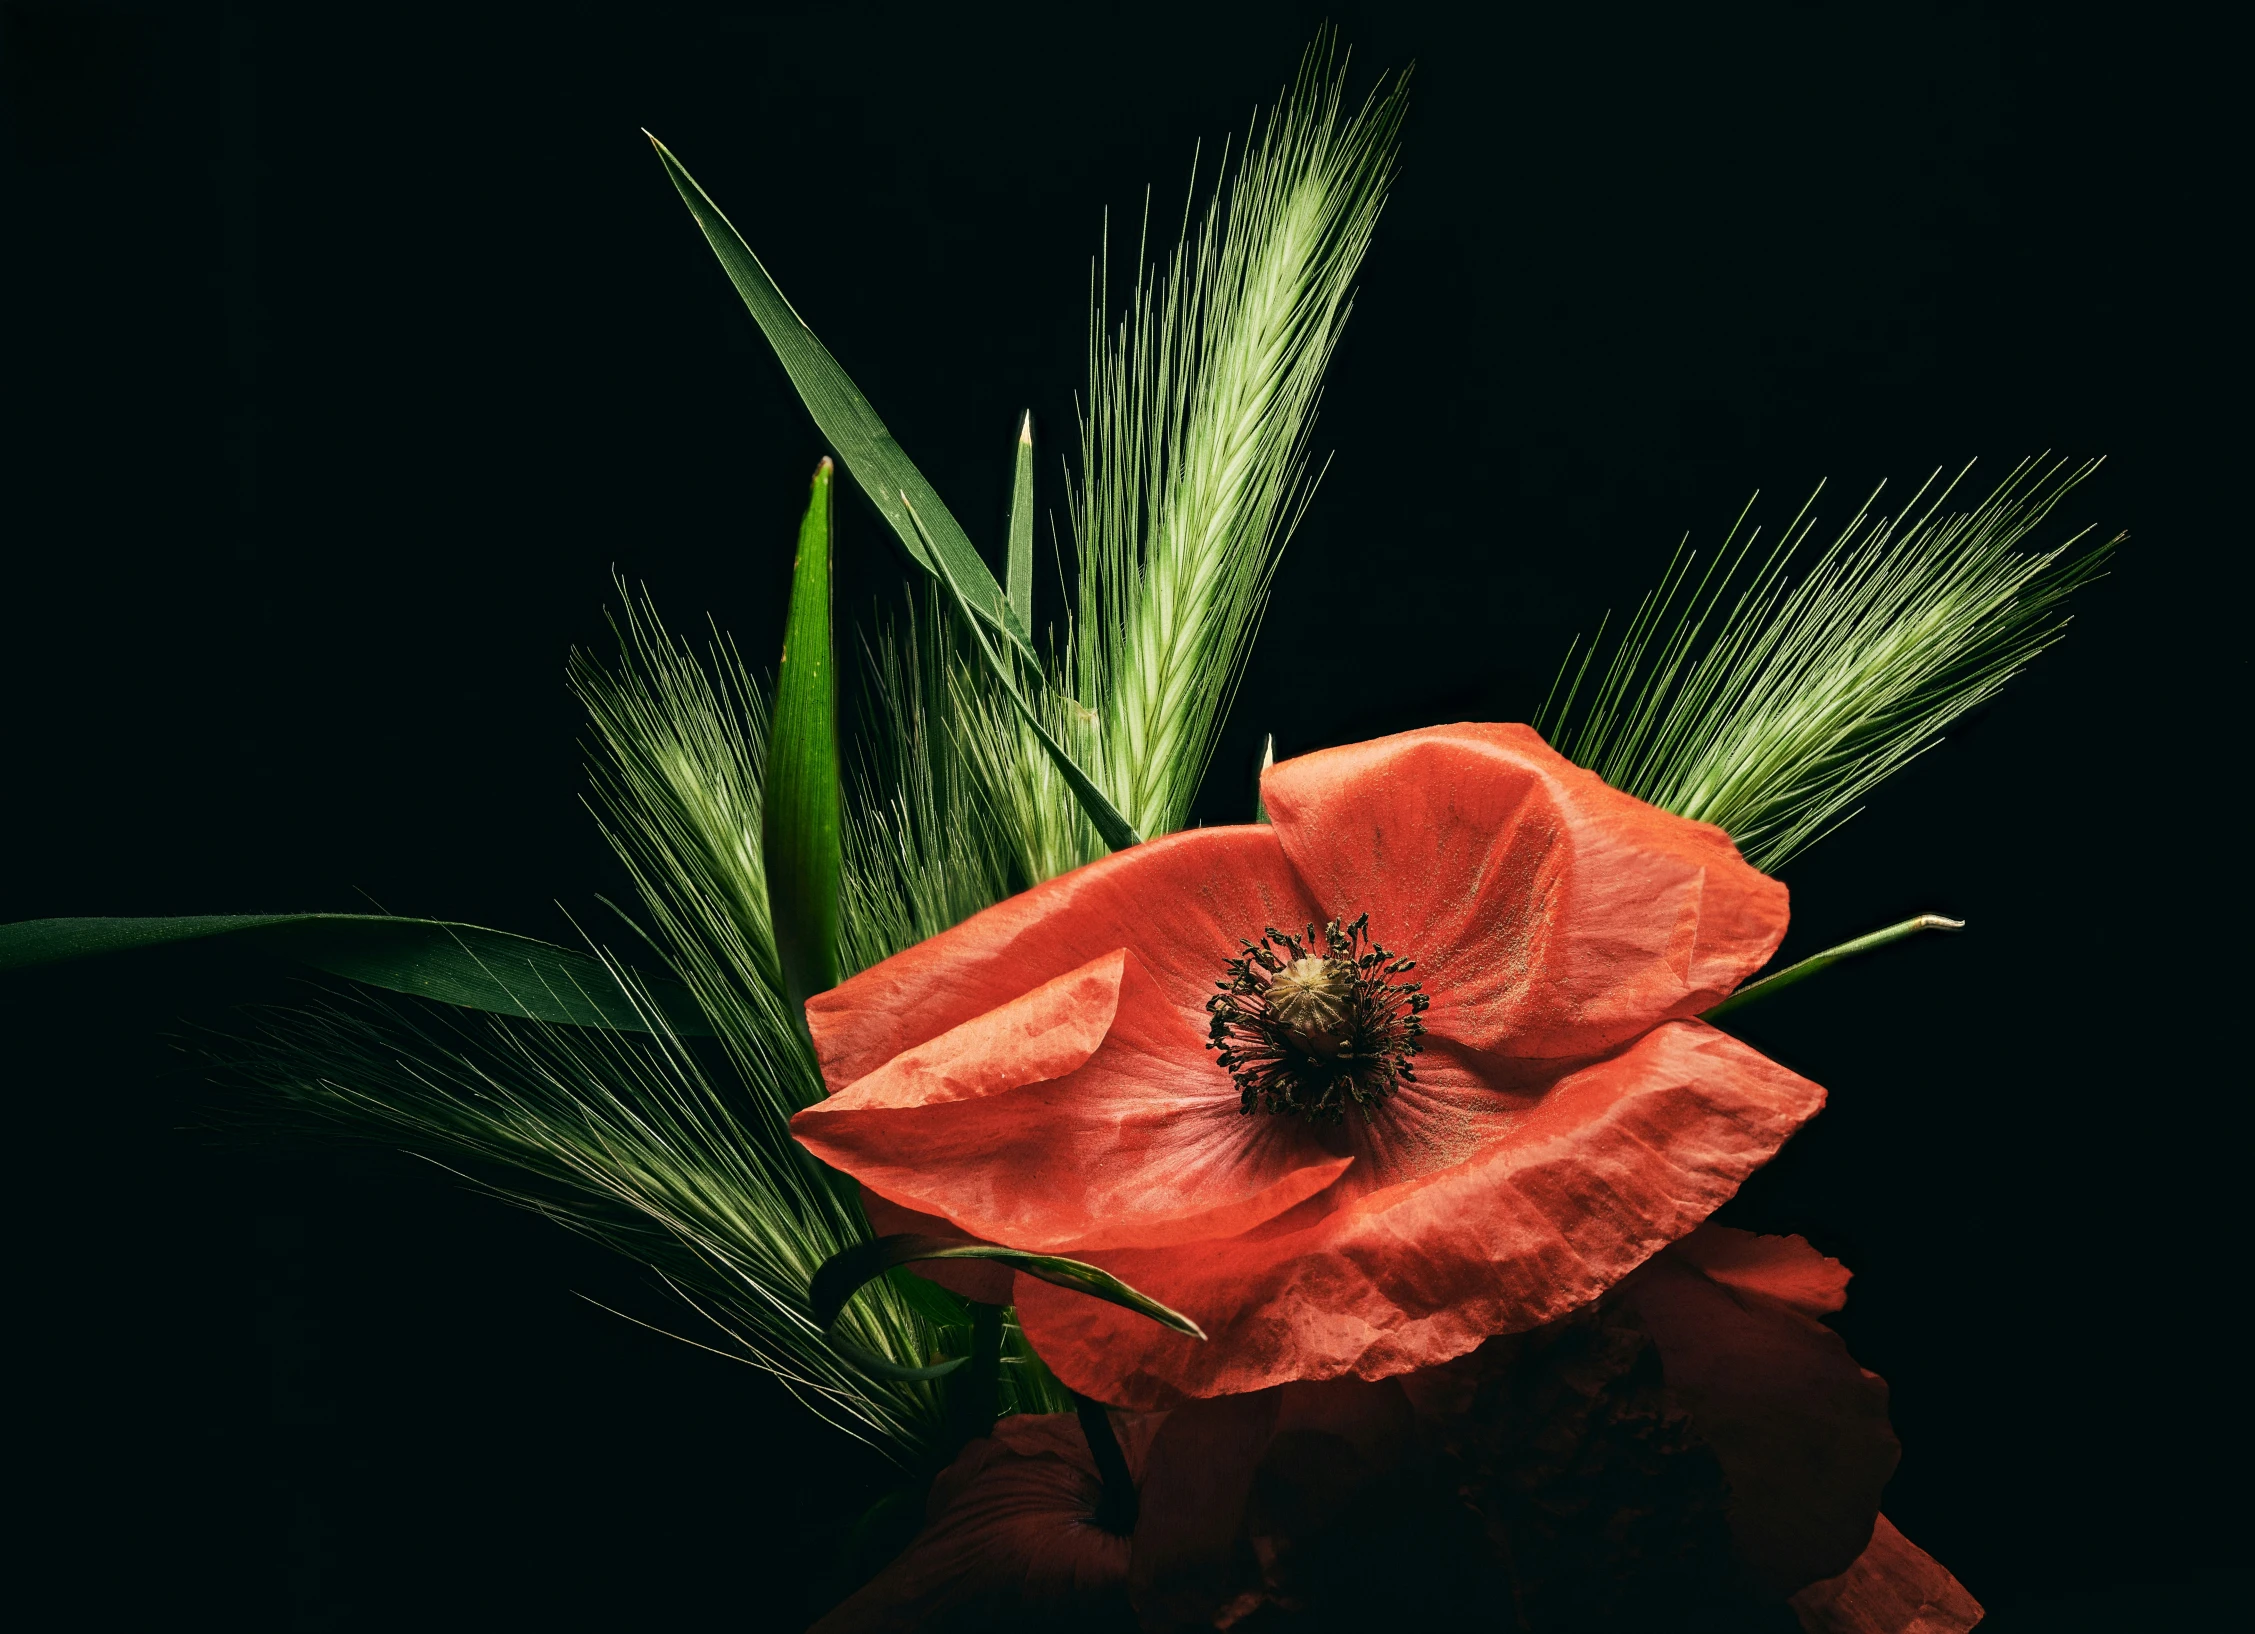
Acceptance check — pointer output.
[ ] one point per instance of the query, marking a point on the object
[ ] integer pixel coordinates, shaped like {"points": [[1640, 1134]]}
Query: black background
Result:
{"points": [[348, 350]]}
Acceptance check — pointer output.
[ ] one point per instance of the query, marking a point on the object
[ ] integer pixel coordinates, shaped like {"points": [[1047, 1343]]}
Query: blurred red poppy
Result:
{"points": [[1010, 1540], [1694, 1448], [1894, 1587], [1414, 1066]]}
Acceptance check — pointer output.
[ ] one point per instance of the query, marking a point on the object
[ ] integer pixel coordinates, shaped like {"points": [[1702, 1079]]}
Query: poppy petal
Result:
{"points": [[1801, 1431], [1457, 1105], [1550, 914], [1895, 1587], [1085, 1114], [1785, 1269], [1617, 1160], [1182, 902], [1191, 1554]]}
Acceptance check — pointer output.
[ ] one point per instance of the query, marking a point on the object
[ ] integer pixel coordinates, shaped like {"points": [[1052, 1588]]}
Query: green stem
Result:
{"points": [[974, 1395], [1831, 956], [1116, 1510]]}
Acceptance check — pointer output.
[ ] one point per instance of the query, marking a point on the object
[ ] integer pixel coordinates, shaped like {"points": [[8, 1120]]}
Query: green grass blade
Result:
{"points": [[1018, 581], [800, 839], [1116, 831], [874, 459], [465, 965]]}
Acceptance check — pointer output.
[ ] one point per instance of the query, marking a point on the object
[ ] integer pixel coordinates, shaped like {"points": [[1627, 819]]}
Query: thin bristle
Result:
{"points": [[1770, 708], [626, 1140], [1195, 438]]}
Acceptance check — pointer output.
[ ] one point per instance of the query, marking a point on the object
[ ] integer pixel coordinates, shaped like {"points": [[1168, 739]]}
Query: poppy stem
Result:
{"points": [[1116, 1511], [1830, 956], [974, 1395]]}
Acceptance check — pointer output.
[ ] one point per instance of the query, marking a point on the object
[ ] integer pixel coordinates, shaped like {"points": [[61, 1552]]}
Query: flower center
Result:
{"points": [[1315, 1024]]}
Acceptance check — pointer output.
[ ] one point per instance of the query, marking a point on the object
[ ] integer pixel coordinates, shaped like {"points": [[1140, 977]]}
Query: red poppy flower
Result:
{"points": [[1695, 1447], [1413, 1066], [1799, 1429]]}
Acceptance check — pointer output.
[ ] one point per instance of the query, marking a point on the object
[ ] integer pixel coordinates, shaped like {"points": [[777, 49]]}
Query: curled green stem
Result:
{"points": [[1830, 956]]}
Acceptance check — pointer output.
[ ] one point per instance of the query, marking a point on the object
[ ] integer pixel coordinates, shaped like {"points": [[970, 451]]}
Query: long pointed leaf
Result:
{"points": [[799, 816], [1115, 830], [467, 965], [871, 455], [1018, 579]]}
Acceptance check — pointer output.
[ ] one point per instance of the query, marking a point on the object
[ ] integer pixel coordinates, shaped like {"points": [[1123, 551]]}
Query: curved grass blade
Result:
{"points": [[1018, 577], [439, 959], [875, 460], [1830, 956], [799, 817], [842, 1274], [1114, 829]]}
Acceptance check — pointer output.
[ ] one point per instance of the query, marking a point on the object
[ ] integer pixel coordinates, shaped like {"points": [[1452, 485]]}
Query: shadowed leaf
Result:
{"points": [[437, 959]]}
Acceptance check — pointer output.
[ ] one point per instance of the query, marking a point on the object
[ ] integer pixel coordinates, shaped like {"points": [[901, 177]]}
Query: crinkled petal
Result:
{"points": [[1550, 915], [1800, 1430], [1785, 1269], [1009, 1541], [1614, 1162], [1182, 903], [1457, 1105], [1895, 1587], [1191, 1554], [1085, 1114]]}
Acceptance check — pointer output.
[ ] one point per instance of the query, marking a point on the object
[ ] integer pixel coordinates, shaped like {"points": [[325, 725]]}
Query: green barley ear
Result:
{"points": [[1194, 443], [922, 850], [678, 757], [1770, 708], [630, 1140], [680, 1159]]}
